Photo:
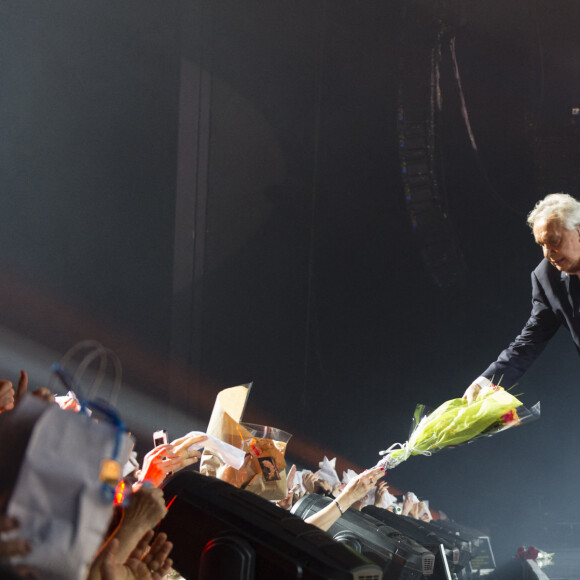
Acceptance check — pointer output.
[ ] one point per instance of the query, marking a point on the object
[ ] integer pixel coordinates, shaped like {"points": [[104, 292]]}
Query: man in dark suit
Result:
{"points": [[555, 222]]}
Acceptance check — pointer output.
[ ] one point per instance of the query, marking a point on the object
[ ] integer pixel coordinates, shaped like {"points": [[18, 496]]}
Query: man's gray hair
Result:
{"points": [[560, 207]]}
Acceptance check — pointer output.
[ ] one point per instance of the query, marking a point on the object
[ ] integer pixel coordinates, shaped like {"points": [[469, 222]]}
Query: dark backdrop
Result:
{"points": [[313, 285]]}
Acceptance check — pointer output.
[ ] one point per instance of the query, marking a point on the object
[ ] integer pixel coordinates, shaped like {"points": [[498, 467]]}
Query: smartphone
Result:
{"points": [[160, 437]]}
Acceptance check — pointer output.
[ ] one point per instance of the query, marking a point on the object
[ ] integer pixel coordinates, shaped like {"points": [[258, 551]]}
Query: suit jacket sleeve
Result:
{"points": [[515, 360]]}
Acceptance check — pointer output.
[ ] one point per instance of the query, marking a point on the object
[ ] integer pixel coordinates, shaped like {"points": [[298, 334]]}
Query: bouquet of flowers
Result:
{"points": [[541, 558], [456, 422]]}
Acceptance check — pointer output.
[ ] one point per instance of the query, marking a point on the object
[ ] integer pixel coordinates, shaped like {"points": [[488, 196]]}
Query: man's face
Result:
{"points": [[560, 245]]}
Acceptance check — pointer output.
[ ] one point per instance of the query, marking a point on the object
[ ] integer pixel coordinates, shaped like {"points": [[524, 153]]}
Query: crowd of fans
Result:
{"points": [[132, 550]]}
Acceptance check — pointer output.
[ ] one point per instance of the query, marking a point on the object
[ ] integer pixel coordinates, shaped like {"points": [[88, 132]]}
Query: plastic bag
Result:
{"points": [[263, 471]]}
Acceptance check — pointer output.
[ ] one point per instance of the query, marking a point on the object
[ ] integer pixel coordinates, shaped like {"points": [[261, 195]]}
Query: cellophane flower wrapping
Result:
{"points": [[456, 422]]}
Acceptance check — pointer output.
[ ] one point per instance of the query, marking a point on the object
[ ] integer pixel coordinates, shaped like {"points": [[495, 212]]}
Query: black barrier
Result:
{"points": [[450, 549], [482, 559], [400, 557], [221, 532]]}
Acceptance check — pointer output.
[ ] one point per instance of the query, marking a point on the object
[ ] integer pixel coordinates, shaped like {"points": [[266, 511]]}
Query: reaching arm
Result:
{"points": [[517, 358], [356, 489]]}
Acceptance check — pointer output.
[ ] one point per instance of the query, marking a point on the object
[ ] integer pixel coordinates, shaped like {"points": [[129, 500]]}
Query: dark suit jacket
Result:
{"points": [[553, 294]]}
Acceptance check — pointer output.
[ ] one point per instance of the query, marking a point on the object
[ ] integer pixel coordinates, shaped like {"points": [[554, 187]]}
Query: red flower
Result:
{"points": [[509, 417], [530, 554]]}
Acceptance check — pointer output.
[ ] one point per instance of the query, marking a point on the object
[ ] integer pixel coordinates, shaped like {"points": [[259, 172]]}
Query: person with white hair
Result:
{"points": [[555, 223]]}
